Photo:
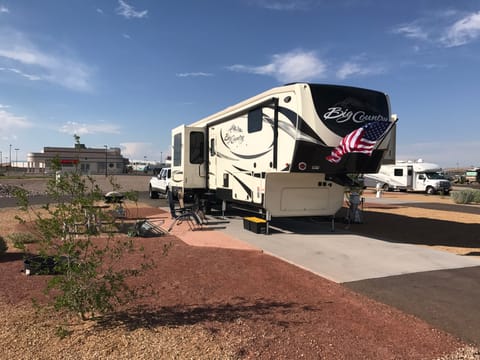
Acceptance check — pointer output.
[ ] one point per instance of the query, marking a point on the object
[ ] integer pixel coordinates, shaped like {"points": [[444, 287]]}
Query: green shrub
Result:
{"points": [[92, 281], [476, 196], [19, 240], [466, 196], [3, 245]]}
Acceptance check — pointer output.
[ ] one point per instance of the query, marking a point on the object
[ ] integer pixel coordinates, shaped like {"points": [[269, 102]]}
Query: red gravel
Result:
{"points": [[259, 306]]}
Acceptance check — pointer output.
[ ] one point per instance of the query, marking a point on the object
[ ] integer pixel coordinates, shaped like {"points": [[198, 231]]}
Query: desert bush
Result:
{"points": [[20, 240], [88, 279], [465, 196], [3, 245]]}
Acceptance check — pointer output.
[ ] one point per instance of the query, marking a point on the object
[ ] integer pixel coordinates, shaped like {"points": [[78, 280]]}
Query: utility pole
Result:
{"points": [[10, 157]]}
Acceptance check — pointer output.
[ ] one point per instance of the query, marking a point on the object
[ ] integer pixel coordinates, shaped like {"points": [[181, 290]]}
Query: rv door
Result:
{"points": [[212, 158], [409, 177], [189, 157]]}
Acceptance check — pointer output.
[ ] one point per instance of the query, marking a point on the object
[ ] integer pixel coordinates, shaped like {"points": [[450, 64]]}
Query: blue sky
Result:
{"points": [[123, 73]]}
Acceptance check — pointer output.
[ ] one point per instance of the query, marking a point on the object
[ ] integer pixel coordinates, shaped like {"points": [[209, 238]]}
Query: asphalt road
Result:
{"points": [[447, 299]]}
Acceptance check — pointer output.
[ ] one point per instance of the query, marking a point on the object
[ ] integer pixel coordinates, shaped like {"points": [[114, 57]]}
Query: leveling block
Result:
{"points": [[255, 224]]}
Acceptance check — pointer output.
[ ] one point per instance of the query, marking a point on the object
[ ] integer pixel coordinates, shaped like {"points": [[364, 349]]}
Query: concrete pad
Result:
{"points": [[344, 257]]}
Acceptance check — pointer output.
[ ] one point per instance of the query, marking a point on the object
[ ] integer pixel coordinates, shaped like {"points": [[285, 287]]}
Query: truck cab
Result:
{"points": [[160, 183], [432, 182]]}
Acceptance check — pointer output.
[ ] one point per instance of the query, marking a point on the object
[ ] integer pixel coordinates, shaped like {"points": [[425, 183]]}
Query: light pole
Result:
{"points": [[10, 157], [161, 157], [106, 160], [1, 159], [16, 157]]}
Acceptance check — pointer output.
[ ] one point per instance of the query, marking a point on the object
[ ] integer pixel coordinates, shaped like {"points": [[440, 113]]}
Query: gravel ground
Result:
{"points": [[214, 303]]}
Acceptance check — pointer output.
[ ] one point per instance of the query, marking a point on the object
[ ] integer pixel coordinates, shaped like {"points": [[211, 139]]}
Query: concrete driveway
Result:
{"points": [[439, 287]]}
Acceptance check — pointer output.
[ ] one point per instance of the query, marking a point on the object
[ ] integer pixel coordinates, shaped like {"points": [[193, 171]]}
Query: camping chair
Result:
{"points": [[191, 215]]}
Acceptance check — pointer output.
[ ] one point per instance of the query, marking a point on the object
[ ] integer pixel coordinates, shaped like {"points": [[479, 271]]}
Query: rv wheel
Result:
{"points": [[430, 190], [385, 187]]}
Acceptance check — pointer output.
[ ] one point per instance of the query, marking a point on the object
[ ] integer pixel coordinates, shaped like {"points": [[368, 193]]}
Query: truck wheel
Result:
{"points": [[151, 193], [430, 190], [385, 187]]}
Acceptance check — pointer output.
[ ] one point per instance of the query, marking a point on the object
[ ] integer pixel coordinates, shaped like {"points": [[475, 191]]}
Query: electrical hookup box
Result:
{"points": [[255, 224]]}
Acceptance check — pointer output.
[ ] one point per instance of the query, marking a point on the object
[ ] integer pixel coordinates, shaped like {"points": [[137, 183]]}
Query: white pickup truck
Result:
{"points": [[160, 183]]}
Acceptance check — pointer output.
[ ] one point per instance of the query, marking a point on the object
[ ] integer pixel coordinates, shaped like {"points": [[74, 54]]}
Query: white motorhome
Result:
{"points": [[410, 175], [269, 152]]}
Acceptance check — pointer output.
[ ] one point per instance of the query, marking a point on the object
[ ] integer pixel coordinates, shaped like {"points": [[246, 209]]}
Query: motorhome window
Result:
{"points": [[177, 150], [197, 146], [410, 172], [255, 119], [398, 172]]}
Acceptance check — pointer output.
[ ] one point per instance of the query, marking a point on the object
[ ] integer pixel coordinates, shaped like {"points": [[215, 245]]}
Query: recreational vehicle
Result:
{"points": [[472, 175], [410, 175], [287, 151]]}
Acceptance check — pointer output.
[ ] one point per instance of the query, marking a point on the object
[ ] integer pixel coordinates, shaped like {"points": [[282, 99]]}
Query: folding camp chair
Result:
{"points": [[191, 215]]}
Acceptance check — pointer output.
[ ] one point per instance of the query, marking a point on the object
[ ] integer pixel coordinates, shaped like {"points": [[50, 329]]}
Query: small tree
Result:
{"points": [[88, 280]]}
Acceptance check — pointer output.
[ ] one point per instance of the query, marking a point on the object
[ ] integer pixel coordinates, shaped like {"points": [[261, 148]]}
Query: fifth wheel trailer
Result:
{"points": [[271, 152]]}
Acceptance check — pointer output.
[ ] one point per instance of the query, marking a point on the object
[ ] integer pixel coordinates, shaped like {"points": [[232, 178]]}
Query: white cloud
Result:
{"points": [[413, 31], [10, 122], [100, 11], [443, 28], [4, 9], [18, 72], [126, 36], [143, 151], [193, 74], [293, 66], [73, 127], [463, 31], [283, 5], [35, 64], [349, 69], [129, 12]]}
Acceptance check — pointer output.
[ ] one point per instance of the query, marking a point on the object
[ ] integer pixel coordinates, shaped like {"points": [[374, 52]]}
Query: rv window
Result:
{"points": [[212, 147], [197, 147], [177, 150], [255, 118], [398, 172]]}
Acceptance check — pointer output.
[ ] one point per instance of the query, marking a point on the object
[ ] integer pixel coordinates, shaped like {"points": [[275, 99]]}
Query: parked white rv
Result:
{"points": [[269, 152], [410, 175]]}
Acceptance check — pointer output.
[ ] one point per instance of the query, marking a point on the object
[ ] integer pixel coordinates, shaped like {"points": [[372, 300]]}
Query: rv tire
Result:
{"points": [[386, 187], [430, 190]]}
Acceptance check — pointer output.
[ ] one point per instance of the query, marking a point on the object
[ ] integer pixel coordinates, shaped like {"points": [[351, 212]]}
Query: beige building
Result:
{"points": [[91, 161]]}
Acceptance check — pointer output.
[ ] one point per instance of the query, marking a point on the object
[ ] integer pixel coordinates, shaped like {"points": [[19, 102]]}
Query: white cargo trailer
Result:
{"points": [[270, 151]]}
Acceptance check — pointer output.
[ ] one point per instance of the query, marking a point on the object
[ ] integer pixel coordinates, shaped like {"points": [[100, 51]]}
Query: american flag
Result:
{"points": [[361, 140]]}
